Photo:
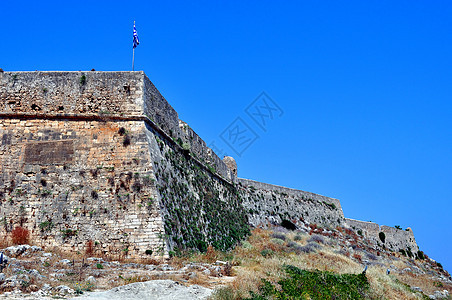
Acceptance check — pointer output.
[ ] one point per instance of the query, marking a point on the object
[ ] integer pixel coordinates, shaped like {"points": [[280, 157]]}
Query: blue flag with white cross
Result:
{"points": [[136, 41]]}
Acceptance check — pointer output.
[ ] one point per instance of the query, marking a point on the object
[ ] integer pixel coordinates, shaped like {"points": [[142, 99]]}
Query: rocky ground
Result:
{"points": [[29, 272]]}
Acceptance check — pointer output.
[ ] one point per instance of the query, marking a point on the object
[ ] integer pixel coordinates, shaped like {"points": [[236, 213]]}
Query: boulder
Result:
{"points": [[64, 290]]}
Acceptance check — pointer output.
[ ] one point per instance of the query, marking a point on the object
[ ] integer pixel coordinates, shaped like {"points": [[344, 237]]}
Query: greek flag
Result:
{"points": [[136, 41]]}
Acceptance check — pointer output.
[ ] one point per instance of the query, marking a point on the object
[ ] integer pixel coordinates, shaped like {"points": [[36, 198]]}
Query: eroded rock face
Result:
{"points": [[231, 164]]}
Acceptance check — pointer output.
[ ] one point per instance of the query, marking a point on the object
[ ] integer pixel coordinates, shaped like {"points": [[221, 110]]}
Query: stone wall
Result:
{"points": [[105, 94], [77, 161], [70, 182], [270, 204], [103, 157], [87, 93], [199, 208], [369, 229], [395, 239], [164, 116]]}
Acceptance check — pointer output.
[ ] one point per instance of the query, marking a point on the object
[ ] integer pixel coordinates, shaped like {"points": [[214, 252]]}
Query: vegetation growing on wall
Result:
{"points": [[200, 210]]}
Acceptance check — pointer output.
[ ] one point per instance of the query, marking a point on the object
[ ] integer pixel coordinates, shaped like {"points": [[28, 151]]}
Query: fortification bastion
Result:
{"points": [[103, 158]]}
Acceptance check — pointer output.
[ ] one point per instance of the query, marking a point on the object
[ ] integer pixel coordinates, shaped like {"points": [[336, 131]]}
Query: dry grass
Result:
{"points": [[4, 242], [261, 256], [253, 266], [200, 279], [389, 286], [328, 260], [211, 256], [424, 281]]}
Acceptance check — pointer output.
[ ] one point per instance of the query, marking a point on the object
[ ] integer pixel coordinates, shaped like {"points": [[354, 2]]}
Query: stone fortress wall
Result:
{"points": [[68, 173], [103, 157], [394, 239], [267, 203]]}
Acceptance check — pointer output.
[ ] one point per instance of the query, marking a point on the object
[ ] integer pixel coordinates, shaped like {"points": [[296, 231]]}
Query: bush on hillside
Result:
{"points": [[303, 284]]}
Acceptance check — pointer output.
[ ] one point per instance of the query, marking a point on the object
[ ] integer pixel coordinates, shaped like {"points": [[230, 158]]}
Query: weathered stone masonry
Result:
{"points": [[272, 204], [395, 239], [95, 156], [103, 157]]}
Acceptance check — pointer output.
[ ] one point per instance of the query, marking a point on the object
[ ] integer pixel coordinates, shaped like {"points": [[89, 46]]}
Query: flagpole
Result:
{"points": [[133, 59], [133, 55]]}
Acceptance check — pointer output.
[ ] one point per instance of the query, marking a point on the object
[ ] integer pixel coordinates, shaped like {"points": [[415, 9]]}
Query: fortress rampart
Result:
{"points": [[99, 95], [103, 157], [267, 203], [394, 239]]}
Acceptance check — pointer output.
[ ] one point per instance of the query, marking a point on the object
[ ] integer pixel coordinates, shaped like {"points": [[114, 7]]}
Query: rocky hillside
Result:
{"points": [[314, 262]]}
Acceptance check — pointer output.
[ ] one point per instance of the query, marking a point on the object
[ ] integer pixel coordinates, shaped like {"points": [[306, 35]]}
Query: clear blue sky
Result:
{"points": [[365, 87]]}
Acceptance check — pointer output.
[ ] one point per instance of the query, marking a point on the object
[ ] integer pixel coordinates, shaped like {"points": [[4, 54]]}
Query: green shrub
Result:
{"points": [[211, 169], [46, 193], [99, 266], [69, 233], [186, 146], [330, 205], [409, 253], [303, 284], [82, 79], [297, 237], [420, 254], [266, 253], [247, 245], [46, 226], [438, 284], [277, 241]]}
